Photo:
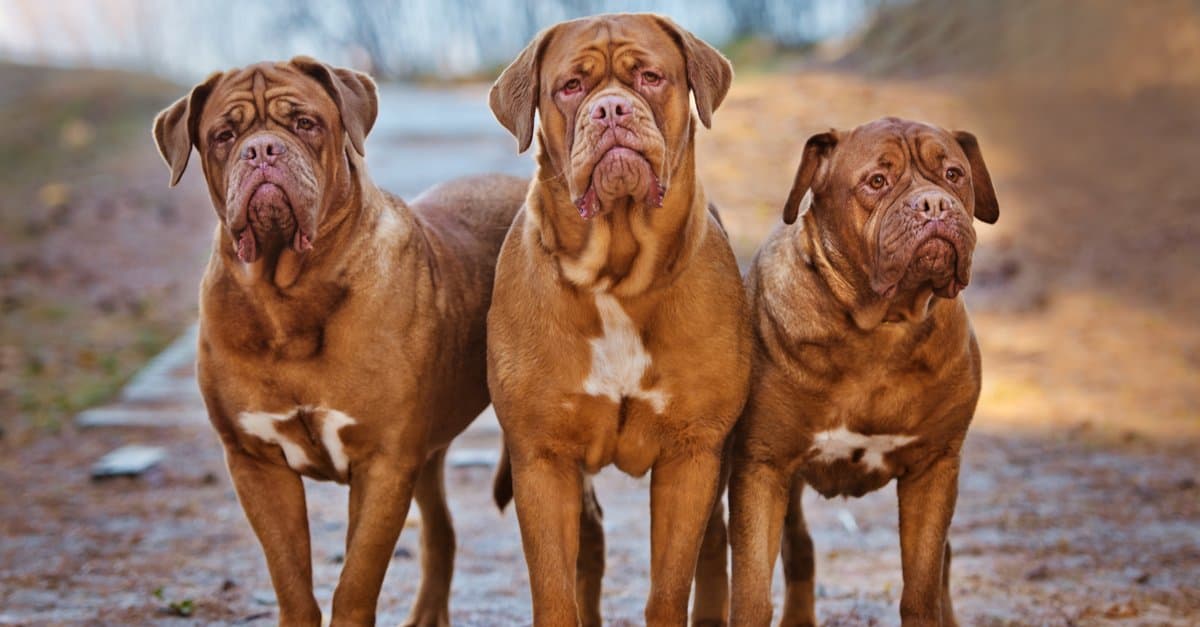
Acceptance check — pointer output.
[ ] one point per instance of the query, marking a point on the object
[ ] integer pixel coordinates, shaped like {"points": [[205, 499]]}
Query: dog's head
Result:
{"points": [[612, 95], [896, 199], [276, 142]]}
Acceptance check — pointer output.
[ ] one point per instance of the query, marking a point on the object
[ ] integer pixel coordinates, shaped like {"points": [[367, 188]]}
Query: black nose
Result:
{"points": [[931, 205], [609, 110], [262, 149]]}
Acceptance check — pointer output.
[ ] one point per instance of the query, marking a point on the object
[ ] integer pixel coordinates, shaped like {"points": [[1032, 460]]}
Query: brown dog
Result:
{"points": [[342, 332], [618, 331], [866, 366]]}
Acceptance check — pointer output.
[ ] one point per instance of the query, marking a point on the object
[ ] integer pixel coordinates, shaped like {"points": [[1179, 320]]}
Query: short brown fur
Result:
{"points": [[381, 318], [669, 269], [844, 339]]}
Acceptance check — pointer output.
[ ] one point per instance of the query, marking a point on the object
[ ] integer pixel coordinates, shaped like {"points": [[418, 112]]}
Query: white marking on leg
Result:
{"points": [[619, 359], [261, 425], [331, 423], [841, 443]]}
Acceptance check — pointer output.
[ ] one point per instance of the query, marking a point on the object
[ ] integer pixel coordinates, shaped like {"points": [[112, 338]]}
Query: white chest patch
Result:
{"points": [[619, 359], [841, 443], [327, 422]]}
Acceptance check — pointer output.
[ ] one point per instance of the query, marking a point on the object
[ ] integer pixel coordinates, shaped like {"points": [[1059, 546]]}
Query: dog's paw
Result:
{"points": [[439, 617]]}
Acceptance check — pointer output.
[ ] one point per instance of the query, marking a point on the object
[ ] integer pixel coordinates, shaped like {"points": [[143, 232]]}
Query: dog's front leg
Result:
{"points": [[926, 507], [548, 490], [272, 496], [381, 492], [683, 490]]}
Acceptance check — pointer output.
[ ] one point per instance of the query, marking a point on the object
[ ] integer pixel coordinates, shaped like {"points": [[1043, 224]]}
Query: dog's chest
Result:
{"points": [[869, 451], [619, 359], [842, 462], [309, 438]]}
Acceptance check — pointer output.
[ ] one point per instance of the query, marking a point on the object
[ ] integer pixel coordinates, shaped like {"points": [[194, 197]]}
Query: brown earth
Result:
{"points": [[1079, 501]]}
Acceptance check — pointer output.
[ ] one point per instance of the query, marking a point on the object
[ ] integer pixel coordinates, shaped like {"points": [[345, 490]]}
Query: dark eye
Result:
{"points": [[651, 78], [572, 86], [877, 181], [953, 175], [223, 136], [305, 124]]}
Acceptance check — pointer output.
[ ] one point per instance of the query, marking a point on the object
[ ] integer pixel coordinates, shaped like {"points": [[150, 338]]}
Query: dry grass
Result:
{"points": [[98, 262]]}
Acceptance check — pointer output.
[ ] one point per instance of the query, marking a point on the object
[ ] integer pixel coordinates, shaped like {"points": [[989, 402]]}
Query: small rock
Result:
{"points": [[847, 519], [337, 558], [1041, 572], [1187, 483], [1137, 575], [228, 585], [250, 618], [1121, 610], [128, 461], [402, 553]]}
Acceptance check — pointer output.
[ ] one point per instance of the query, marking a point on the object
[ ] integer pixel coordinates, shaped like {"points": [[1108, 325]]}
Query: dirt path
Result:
{"points": [[1054, 530], [1079, 500]]}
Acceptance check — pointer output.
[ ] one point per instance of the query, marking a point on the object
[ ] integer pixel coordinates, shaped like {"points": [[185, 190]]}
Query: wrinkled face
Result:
{"points": [[271, 141], [614, 109], [898, 197]]}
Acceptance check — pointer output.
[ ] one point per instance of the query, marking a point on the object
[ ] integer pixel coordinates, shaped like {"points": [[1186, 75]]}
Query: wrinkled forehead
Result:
{"points": [[898, 142], [588, 44], [256, 89]]}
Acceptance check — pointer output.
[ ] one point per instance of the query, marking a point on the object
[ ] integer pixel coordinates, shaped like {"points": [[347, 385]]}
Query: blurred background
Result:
{"points": [[1079, 500]]}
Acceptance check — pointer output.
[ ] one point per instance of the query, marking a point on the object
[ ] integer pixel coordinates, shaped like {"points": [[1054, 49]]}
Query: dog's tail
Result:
{"points": [[502, 482]]}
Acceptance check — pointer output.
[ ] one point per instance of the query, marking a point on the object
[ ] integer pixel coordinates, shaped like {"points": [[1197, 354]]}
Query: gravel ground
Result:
{"points": [[1054, 529]]}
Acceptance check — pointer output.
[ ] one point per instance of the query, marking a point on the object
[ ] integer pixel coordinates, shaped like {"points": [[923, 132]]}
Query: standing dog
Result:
{"points": [[866, 367], [342, 332], [618, 331]]}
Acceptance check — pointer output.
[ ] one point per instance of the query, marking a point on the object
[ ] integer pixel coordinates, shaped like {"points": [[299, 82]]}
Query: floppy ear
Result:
{"points": [[354, 93], [175, 129], [817, 150], [986, 206], [709, 73], [514, 96]]}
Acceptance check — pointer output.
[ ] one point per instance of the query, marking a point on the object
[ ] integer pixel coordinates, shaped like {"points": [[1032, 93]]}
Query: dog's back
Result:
{"points": [[483, 205]]}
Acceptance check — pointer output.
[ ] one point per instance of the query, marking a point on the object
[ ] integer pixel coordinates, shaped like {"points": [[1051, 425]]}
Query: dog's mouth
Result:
{"points": [[940, 258], [621, 171], [618, 167], [936, 260], [266, 221]]}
